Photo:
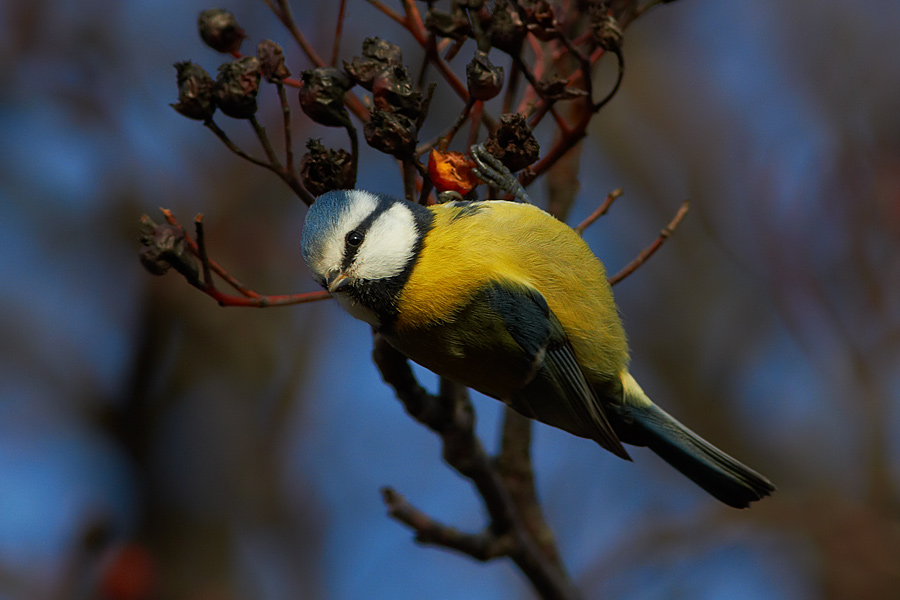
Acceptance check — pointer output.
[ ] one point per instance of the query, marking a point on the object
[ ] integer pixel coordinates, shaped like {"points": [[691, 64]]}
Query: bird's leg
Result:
{"points": [[494, 173]]}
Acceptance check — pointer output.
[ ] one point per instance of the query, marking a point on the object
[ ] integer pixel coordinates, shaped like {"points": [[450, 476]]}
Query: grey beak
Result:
{"points": [[335, 282]]}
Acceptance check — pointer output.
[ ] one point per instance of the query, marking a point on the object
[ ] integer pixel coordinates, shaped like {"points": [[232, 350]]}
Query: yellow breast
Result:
{"points": [[472, 245]]}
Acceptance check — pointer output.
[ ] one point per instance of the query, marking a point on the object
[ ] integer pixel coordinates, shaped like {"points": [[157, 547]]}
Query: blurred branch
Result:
{"points": [[482, 546], [169, 246], [599, 212], [650, 250], [450, 415], [338, 33], [285, 174]]}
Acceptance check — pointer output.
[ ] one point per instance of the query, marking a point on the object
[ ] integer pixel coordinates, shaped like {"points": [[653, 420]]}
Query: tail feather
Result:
{"points": [[725, 478]]}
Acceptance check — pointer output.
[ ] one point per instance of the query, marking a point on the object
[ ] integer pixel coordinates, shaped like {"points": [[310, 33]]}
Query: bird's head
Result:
{"points": [[361, 247]]}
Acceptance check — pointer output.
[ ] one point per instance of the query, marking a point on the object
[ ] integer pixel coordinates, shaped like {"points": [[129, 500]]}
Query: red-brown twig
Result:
{"points": [[274, 165], [248, 297], [647, 252], [338, 33], [282, 10], [286, 120], [444, 141], [265, 301], [412, 22], [599, 212]]}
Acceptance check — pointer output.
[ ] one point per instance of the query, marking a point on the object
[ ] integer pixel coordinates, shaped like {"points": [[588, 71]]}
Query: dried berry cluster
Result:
{"points": [[398, 107]]}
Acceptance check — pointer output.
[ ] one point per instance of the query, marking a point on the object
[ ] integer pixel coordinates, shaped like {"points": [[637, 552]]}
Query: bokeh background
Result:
{"points": [[153, 445]]}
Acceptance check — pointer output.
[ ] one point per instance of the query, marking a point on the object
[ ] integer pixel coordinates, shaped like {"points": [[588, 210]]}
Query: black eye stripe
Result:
{"points": [[358, 232]]}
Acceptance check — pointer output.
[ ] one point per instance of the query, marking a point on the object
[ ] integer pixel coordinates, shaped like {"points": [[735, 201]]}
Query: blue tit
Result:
{"points": [[505, 299]]}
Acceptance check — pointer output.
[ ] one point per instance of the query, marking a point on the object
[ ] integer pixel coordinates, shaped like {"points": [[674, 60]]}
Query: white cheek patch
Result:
{"points": [[361, 205], [388, 245]]}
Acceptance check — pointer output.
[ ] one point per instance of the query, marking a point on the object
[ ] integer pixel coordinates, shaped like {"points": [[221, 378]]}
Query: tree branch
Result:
{"points": [[450, 415], [650, 250]]}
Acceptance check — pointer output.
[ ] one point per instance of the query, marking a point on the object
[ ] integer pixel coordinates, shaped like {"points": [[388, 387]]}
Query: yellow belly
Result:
{"points": [[472, 245]]}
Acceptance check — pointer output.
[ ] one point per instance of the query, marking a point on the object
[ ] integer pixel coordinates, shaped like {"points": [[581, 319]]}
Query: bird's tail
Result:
{"points": [[645, 424]]}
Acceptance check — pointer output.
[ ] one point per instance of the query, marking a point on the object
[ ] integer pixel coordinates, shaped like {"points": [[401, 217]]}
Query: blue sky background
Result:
{"points": [[241, 452]]}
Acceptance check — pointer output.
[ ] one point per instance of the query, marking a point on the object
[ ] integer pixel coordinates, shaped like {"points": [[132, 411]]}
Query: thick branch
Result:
{"points": [[450, 415]]}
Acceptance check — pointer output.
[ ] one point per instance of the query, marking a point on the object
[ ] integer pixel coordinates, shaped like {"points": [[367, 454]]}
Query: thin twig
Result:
{"points": [[414, 17], [266, 144], [620, 74], [599, 212], [647, 252], [409, 178], [354, 148], [445, 140], [475, 123], [286, 118], [248, 297], [201, 251], [211, 125], [512, 86], [216, 267], [388, 12], [265, 301], [565, 143], [286, 175], [282, 10], [338, 33]]}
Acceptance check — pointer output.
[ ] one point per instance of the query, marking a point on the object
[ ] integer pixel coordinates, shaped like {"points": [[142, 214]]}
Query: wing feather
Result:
{"points": [[572, 404]]}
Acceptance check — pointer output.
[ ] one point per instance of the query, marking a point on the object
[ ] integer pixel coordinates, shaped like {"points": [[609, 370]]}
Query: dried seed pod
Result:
{"points": [[391, 133], [271, 61], [392, 90], [237, 84], [323, 169], [454, 25], [383, 50], [556, 88], [605, 27], [377, 56], [506, 29], [483, 79], [322, 96], [514, 144], [220, 30], [164, 247], [541, 21], [195, 92]]}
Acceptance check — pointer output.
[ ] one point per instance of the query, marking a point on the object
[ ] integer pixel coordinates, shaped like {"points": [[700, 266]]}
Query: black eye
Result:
{"points": [[354, 239]]}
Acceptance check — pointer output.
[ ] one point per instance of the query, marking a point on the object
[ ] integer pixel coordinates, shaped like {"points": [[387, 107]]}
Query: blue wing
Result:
{"points": [[555, 391]]}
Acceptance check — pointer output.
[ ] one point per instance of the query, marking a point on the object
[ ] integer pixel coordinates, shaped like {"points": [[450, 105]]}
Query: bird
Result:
{"points": [[507, 300]]}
